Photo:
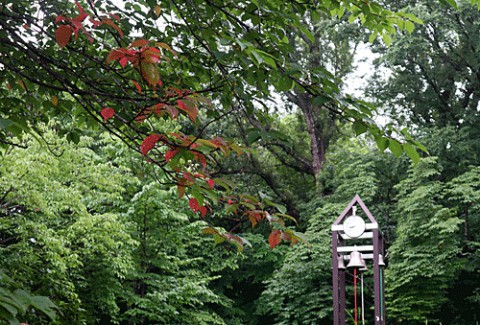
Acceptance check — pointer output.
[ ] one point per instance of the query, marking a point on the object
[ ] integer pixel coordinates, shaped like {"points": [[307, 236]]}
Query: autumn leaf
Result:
{"points": [[139, 43], [110, 23], [172, 111], [166, 47], [63, 35], [137, 85], [181, 191], [210, 231], [188, 107], [150, 73], [203, 211], [149, 143], [107, 113], [275, 238], [181, 105], [211, 183], [193, 203], [170, 154], [157, 10], [199, 157], [115, 55], [54, 101]]}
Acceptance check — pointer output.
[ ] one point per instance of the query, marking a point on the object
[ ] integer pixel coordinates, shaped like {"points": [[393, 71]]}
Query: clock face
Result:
{"points": [[354, 226]]}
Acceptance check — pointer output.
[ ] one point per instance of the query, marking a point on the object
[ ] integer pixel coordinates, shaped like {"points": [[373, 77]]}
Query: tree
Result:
{"points": [[300, 292], [433, 83], [424, 257], [58, 211], [88, 59], [435, 95], [172, 282]]}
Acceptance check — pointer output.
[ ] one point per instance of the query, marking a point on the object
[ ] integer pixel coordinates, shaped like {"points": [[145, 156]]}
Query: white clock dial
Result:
{"points": [[354, 226]]}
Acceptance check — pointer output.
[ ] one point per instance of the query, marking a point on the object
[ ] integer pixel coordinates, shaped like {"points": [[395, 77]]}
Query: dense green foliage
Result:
{"points": [[104, 244], [98, 231]]}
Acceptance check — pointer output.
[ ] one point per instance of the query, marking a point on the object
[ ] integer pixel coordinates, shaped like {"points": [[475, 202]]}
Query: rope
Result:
{"points": [[355, 293], [363, 304]]}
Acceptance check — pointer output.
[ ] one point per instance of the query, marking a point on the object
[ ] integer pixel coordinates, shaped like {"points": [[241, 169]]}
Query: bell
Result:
{"points": [[341, 263], [355, 260], [364, 266], [380, 260]]}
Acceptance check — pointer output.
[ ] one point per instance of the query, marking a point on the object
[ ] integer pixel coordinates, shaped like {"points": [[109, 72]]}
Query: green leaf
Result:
{"points": [[395, 147], [420, 146], [253, 135], [387, 39], [411, 152], [45, 305], [4, 123], [382, 143], [284, 83], [452, 3], [359, 127], [279, 207], [409, 26]]}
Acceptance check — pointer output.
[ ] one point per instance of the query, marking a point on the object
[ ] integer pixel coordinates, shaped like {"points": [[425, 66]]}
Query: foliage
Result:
{"points": [[15, 303], [300, 292], [92, 69], [188, 86], [171, 283], [423, 258], [436, 93], [55, 226]]}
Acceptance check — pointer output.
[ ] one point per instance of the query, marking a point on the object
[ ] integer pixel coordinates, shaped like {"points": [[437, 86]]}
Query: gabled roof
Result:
{"points": [[347, 212]]}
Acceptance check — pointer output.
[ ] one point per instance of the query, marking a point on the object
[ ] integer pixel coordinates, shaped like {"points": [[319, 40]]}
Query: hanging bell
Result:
{"points": [[364, 266], [380, 260], [355, 260], [341, 263]]}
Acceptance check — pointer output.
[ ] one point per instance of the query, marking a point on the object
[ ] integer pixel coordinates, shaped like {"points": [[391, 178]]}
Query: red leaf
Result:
{"points": [[115, 16], [80, 18], [275, 238], [110, 23], [95, 23], [149, 143], [255, 217], [181, 191], [60, 18], [115, 55], [139, 43], [170, 154], [188, 177], [193, 203], [182, 105], [211, 183], [80, 8], [107, 113], [203, 211], [172, 111], [139, 89], [201, 158], [123, 61], [151, 55], [63, 35]]}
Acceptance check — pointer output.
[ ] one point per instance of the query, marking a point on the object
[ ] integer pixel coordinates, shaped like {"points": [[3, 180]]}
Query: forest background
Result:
{"points": [[159, 160]]}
